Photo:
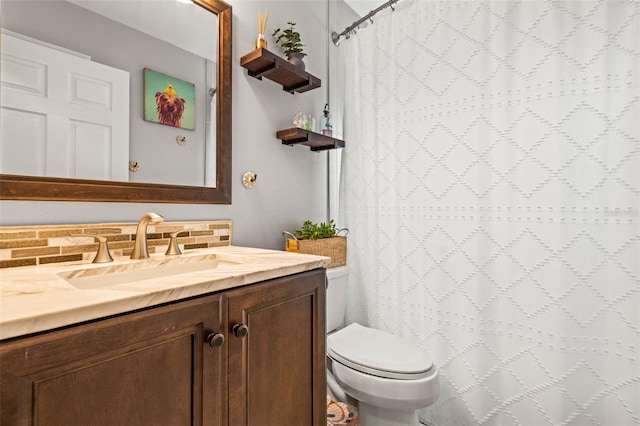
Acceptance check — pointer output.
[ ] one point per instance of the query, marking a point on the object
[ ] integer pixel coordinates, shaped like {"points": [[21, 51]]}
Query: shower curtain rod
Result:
{"points": [[352, 28]]}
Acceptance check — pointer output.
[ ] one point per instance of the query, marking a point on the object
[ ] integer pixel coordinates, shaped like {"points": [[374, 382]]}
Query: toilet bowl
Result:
{"points": [[389, 377]]}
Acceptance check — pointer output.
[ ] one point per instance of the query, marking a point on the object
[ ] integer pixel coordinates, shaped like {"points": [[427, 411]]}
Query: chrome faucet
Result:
{"points": [[140, 248]]}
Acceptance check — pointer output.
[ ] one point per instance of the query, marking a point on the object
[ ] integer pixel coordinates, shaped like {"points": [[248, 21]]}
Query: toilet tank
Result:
{"points": [[337, 280]]}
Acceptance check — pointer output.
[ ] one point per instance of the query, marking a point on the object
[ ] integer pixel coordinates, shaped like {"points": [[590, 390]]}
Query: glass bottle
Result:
{"points": [[325, 121]]}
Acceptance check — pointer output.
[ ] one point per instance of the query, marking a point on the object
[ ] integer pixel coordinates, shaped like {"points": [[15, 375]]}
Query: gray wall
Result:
{"points": [[291, 185]]}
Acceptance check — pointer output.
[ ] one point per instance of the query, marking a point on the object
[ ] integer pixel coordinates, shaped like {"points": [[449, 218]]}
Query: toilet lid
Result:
{"points": [[378, 353]]}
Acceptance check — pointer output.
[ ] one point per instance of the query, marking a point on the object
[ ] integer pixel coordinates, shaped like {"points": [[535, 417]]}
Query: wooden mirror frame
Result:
{"points": [[18, 187]]}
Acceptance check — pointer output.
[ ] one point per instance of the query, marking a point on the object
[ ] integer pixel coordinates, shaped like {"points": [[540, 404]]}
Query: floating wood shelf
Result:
{"points": [[262, 63], [313, 140]]}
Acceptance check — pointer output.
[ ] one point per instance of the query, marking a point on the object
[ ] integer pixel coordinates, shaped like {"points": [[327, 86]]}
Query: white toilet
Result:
{"points": [[388, 376]]}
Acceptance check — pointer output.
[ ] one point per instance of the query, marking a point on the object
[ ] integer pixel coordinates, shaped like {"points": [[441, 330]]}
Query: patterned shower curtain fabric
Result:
{"points": [[491, 185]]}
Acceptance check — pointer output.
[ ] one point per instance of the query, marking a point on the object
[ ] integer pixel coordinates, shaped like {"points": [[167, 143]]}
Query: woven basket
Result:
{"points": [[334, 247]]}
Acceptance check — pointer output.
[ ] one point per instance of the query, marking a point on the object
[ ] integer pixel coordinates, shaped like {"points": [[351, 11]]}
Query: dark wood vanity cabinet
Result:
{"points": [[248, 356], [153, 367], [277, 371]]}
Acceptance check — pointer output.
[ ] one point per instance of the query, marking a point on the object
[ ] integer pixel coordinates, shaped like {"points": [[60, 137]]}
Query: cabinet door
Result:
{"points": [[153, 367], [277, 372]]}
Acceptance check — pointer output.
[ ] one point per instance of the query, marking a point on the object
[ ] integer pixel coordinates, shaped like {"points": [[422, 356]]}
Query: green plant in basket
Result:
{"points": [[314, 231]]}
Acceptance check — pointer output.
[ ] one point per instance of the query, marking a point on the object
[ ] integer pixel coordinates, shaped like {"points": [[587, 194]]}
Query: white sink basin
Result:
{"points": [[139, 270]]}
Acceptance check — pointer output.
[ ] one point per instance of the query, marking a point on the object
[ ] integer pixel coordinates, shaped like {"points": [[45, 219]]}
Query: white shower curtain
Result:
{"points": [[491, 185]]}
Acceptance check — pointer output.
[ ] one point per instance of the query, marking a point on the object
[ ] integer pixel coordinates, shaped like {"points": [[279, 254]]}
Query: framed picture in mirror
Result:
{"points": [[169, 100]]}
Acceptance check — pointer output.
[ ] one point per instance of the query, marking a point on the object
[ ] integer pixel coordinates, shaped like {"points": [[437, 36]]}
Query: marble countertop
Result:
{"points": [[39, 298]]}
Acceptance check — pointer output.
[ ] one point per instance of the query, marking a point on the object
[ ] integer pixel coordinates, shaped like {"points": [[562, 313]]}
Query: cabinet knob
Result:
{"points": [[215, 339], [240, 330]]}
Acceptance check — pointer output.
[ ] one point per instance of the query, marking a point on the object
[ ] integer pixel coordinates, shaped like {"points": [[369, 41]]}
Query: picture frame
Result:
{"points": [[169, 100]]}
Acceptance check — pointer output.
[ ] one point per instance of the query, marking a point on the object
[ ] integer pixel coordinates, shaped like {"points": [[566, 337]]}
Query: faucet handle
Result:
{"points": [[103, 255], [173, 248]]}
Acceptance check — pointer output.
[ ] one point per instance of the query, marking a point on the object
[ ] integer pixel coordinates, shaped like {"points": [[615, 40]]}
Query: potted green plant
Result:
{"points": [[320, 239], [314, 231], [289, 41]]}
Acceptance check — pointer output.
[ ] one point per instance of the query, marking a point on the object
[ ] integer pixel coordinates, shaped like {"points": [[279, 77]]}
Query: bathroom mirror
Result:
{"points": [[27, 186]]}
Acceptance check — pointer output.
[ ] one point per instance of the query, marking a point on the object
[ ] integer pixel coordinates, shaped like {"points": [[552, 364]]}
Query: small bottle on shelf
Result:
{"points": [[325, 121], [308, 123]]}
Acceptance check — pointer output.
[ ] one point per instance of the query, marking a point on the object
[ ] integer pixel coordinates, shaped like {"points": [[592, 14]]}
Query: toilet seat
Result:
{"points": [[378, 353]]}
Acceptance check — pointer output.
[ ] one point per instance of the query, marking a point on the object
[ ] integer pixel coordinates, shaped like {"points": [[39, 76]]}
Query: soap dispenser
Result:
{"points": [[325, 121]]}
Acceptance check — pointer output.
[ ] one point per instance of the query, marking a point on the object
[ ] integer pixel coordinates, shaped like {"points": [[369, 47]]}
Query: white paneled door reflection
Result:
{"points": [[62, 115]]}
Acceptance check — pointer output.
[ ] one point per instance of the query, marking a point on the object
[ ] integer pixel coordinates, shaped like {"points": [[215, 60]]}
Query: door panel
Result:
{"points": [[278, 371], [24, 142], [125, 388]]}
